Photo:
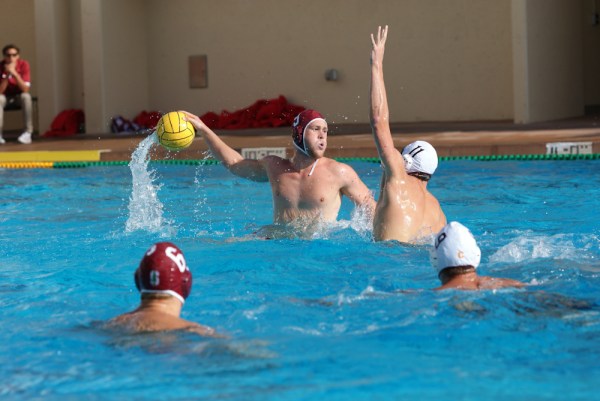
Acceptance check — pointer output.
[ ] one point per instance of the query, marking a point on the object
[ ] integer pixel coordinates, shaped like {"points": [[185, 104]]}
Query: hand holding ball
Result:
{"points": [[174, 132]]}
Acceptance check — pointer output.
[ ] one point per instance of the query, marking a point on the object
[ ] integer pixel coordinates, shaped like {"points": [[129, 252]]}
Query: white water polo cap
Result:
{"points": [[455, 246], [420, 157]]}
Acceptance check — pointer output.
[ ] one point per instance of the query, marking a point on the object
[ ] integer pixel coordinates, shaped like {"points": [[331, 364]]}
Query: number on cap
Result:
{"points": [[177, 258]]}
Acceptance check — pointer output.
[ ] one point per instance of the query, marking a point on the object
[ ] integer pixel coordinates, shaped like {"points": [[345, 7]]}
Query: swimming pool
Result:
{"points": [[338, 317]]}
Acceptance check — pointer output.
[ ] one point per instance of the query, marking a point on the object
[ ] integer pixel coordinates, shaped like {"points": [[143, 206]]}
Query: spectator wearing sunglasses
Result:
{"points": [[14, 90]]}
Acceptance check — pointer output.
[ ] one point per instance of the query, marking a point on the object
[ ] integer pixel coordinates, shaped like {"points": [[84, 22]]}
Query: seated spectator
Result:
{"points": [[14, 90]]}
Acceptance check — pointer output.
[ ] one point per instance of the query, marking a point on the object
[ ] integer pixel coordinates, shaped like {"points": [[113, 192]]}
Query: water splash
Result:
{"points": [[560, 246], [361, 220], [361, 223], [145, 209]]}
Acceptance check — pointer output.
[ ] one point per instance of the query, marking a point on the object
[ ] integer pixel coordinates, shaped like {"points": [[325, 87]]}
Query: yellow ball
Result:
{"points": [[174, 132]]}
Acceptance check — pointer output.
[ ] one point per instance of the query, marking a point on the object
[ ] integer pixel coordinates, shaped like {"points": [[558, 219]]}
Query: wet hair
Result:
{"points": [[155, 295], [421, 176], [453, 271], [8, 47]]}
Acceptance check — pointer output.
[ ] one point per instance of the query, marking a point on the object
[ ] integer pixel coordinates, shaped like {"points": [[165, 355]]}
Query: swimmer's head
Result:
{"points": [[420, 159], [455, 246], [163, 270], [301, 122]]}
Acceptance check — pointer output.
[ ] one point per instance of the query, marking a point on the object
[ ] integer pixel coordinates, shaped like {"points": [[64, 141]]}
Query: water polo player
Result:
{"points": [[164, 282], [406, 211], [307, 187], [456, 257]]}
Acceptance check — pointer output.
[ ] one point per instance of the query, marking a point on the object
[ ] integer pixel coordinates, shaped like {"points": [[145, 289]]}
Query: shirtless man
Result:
{"points": [[164, 281], [307, 188], [456, 257], [405, 211]]}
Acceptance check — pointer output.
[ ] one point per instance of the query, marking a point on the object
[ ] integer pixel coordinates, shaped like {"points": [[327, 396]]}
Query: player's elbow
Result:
{"points": [[379, 120], [232, 162]]}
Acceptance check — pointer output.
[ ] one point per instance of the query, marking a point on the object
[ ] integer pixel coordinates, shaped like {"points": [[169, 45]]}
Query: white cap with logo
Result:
{"points": [[420, 157], [455, 246]]}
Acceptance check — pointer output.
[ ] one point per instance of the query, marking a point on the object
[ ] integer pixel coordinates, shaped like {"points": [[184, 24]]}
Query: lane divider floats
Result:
{"points": [[26, 164], [198, 162]]}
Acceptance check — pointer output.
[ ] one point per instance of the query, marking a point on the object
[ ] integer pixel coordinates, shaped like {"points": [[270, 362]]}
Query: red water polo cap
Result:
{"points": [[163, 270], [301, 122]]}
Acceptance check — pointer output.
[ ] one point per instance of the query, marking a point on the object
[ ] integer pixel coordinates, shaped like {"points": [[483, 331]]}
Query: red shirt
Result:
{"points": [[23, 70]]}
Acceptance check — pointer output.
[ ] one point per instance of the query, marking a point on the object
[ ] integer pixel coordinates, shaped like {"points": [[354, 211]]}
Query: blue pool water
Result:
{"points": [[338, 317]]}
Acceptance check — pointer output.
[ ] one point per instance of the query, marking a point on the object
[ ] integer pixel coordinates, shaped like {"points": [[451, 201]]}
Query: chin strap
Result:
{"points": [[313, 167]]}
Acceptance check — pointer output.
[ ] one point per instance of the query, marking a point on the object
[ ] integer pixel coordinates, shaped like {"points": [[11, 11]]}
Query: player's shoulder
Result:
{"points": [[273, 159], [274, 164], [335, 164]]}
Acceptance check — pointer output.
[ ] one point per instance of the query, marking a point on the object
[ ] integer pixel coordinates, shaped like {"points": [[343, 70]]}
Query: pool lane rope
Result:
{"points": [[27, 164], [203, 162]]}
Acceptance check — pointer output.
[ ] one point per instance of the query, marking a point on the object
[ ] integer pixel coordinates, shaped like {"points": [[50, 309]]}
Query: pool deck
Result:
{"points": [[348, 140]]}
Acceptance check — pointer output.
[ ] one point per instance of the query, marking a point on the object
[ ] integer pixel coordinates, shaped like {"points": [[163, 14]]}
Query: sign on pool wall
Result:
{"points": [[259, 153], [569, 148]]}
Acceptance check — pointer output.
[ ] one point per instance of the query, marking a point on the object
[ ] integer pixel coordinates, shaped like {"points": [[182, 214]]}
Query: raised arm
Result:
{"points": [[253, 170], [379, 113]]}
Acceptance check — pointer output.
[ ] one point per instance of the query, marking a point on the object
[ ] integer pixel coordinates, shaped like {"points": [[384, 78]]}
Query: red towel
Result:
{"points": [[262, 113], [67, 122], [147, 119]]}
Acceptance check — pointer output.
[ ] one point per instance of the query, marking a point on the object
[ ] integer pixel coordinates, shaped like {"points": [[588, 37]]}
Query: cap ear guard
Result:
{"points": [[186, 284], [408, 161], [420, 157]]}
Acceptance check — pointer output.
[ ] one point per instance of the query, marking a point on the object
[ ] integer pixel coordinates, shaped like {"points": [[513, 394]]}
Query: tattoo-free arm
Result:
{"points": [[254, 170], [356, 190], [379, 111]]}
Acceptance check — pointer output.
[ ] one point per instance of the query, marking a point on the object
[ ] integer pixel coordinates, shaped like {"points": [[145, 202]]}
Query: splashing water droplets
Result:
{"points": [[145, 209]]}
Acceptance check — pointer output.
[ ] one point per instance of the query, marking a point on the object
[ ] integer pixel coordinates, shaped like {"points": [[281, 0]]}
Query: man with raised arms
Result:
{"points": [[406, 211], [164, 281], [307, 188]]}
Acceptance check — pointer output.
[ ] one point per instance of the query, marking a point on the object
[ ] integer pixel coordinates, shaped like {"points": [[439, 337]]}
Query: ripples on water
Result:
{"points": [[331, 316]]}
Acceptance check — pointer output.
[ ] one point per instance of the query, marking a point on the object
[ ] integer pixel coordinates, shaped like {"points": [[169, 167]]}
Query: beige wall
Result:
{"points": [[17, 27], [445, 59], [548, 59], [54, 81], [126, 64], [442, 63], [591, 53]]}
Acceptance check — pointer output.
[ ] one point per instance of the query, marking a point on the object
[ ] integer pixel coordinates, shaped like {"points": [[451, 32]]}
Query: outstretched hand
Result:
{"points": [[195, 121], [378, 45]]}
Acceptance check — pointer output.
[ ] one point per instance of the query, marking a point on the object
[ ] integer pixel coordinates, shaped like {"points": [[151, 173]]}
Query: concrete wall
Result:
{"points": [[54, 81], [445, 59], [548, 59], [591, 53], [125, 60], [17, 27], [442, 62]]}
